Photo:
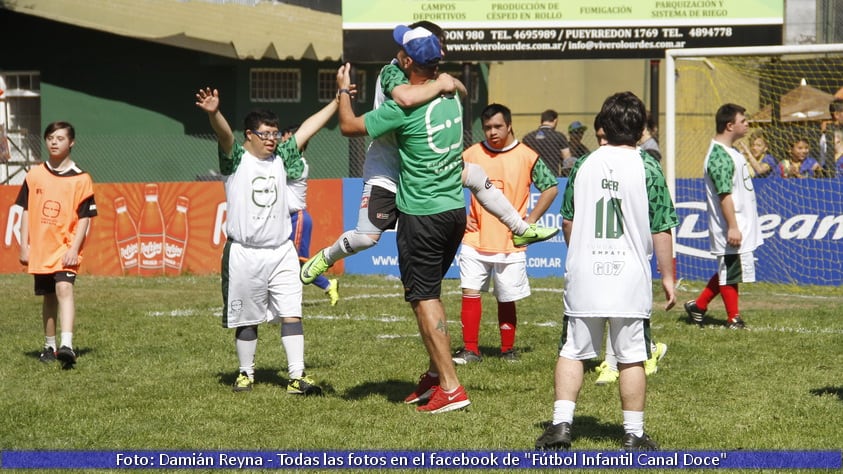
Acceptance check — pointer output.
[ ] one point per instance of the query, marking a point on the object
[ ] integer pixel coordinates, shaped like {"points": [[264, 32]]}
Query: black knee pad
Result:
{"points": [[292, 329], [246, 333]]}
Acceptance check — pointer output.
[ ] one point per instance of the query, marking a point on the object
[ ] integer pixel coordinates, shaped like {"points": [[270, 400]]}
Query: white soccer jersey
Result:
{"points": [[382, 159], [733, 178], [297, 190], [611, 241], [257, 212]]}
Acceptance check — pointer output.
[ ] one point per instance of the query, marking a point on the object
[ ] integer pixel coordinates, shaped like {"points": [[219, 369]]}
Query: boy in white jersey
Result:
{"points": [[733, 229], [259, 264], [377, 212], [616, 212]]}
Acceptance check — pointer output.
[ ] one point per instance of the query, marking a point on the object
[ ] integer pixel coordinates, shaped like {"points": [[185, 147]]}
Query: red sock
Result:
{"points": [[472, 309], [730, 300], [507, 320], [711, 290]]}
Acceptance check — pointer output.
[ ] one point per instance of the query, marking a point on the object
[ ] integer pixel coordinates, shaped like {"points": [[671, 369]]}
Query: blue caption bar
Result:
{"points": [[419, 459]]}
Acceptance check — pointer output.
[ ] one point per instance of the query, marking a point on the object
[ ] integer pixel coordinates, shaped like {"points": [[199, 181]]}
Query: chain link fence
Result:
{"points": [[162, 158]]}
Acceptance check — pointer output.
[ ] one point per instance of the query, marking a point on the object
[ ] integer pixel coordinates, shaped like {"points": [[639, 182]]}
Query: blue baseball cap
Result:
{"points": [[576, 125], [419, 43]]}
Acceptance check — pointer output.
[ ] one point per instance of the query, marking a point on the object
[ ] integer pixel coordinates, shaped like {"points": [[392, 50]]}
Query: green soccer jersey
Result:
{"points": [[430, 145]]}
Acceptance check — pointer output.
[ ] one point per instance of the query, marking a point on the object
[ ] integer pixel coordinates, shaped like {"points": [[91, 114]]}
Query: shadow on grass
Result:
{"points": [[393, 390], [707, 321], [495, 351], [80, 351], [591, 428], [268, 377], [838, 391]]}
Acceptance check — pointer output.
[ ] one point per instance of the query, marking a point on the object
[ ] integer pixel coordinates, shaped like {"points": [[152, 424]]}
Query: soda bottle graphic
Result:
{"points": [[151, 233], [126, 237], [175, 238]]}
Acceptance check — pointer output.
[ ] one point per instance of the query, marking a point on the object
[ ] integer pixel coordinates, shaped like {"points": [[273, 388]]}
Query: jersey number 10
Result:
{"points": [[608, 222]]}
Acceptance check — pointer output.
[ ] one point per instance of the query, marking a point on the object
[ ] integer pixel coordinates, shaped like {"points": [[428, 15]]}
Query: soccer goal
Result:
{"points": [[786, 91]]}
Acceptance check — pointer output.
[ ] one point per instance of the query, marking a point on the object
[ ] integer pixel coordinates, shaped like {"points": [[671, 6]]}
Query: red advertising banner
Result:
{"points": [[162, 228]]}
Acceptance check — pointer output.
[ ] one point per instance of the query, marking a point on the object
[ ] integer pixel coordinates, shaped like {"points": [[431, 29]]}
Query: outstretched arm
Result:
{"points": [[314, 123], [208, 100], [350, 124]]}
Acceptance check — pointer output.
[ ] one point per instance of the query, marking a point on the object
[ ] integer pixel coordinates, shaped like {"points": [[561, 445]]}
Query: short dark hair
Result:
{"points": [[549, 115], [290, 129], [622, 117], [51, 128], [258, 117], [725, 115], [493, 109], [836, 105]]}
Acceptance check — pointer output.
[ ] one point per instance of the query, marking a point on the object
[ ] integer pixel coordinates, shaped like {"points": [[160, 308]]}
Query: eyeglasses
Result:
{"points": [[267, 135]]}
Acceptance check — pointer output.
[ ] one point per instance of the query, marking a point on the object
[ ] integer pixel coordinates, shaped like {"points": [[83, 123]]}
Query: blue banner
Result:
{"points": [[543, 259], [419, 459], [801, 222]]}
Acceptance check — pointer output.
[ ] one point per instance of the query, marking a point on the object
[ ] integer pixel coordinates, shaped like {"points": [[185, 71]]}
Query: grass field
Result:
{"points": [[155, 371]]}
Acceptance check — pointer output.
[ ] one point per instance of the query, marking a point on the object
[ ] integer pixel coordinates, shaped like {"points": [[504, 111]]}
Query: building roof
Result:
{"points": [[245, 30]]}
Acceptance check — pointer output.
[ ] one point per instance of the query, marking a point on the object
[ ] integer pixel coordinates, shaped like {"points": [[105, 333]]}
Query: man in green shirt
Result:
{"points": [[430, 200]]}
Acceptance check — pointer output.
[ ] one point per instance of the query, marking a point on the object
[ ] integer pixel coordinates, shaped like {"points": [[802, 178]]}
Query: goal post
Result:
{"points": [[786, 91]]}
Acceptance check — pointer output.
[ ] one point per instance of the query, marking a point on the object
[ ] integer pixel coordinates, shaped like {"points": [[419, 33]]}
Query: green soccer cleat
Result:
{"points": [[303, 385], [244, 383], [333, 291], [534, 233], [314, 267], [607, 375], [651, 365]]}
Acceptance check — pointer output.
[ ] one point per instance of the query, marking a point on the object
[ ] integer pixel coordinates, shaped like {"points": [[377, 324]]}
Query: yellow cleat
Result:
{"points": [[333, 291]]}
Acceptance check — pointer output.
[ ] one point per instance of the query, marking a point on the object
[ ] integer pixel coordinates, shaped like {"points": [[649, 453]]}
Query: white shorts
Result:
{"points": [[736, 268], [582, 338], [511, 282], [260, 284]]}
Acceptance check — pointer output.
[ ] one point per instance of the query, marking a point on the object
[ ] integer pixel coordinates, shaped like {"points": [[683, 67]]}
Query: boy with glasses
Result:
{"points": [[260, 265]]}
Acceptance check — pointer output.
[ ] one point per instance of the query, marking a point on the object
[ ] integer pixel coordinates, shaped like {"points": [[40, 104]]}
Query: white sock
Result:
{"points": [[349, 243], [50, 341], [563, 411], [611, 361], [67, 339], [633, 422], [492, 199], [294, 347], [246, 355]]}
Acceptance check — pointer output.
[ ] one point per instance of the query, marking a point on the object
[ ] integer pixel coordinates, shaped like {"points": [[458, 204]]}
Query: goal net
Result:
{"points": [[786, 91]]}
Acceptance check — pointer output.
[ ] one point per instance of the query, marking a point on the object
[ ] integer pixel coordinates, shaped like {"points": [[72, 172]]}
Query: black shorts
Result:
{"points": [[45, 283], [383, 214], [426, 248]]}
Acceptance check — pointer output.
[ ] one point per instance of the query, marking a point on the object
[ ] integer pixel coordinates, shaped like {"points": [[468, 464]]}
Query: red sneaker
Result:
{"points": [[424, 389], [440, 402]]}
